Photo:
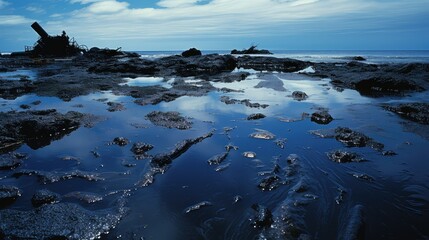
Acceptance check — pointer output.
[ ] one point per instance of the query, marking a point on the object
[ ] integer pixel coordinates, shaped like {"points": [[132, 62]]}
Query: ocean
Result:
{"points": [[372, 56]]}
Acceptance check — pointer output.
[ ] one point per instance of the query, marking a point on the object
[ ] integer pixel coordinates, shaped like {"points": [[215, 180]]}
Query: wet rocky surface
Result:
{"points": [[376, 80], [299, 95], [36, 128], [57, 221], [198, 206], [288, 192], [416, 112], [349, 137], [321, 117], [8, 194], [342, 156], [44, 196], [256, 116], [11, 160], [246, 102], [169, 120]]}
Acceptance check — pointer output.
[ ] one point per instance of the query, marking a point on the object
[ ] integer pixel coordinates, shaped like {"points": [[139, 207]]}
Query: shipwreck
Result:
{"points": [[53, 46]]}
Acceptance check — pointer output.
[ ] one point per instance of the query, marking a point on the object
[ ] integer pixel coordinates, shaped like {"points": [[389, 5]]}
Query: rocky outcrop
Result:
{"points": [[321, 117], [36, 128], [416, 112], [271, 64], [8, 194], [191, 52], [169, 120], [251, 50], [44, 196], [376, 80], [57, 221]]}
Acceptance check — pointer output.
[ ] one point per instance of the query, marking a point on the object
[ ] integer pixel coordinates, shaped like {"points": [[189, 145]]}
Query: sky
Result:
{"points": [[154, 25]]}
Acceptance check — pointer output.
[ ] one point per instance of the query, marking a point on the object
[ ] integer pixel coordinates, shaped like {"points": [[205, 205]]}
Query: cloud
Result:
{"points": [[177, 3], [103, 7], [3, 4], [116, 20], [36, 10], [13, 20], [86, 1]]}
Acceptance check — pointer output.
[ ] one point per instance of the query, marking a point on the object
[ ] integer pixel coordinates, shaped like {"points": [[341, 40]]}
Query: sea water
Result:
{"points": [[395, 200]]}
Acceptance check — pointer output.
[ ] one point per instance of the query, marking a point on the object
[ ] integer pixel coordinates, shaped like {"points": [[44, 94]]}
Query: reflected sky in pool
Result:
{"points": [[396, 202], [19, 74]]}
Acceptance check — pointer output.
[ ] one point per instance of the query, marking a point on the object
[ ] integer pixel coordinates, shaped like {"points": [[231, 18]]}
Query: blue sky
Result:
{"points": [[221, 24]]}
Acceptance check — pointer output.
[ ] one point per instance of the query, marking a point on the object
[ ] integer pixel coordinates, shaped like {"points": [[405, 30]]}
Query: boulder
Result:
{"points": [[191, 52]]}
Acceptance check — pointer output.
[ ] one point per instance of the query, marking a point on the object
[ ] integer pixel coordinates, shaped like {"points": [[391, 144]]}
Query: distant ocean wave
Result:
{"points": [[396, 56]]}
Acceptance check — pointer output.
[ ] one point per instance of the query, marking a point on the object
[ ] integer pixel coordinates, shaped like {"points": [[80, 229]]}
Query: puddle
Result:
{"points": [[19, 75], [395, 201], [146, 81]]}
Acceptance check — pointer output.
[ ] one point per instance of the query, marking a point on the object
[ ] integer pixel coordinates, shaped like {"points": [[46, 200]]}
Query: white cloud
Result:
{"points": [[3, 4], [176, 3], [35, 9], [116, 20], [13, 20], [86, 1], [107, 7]]}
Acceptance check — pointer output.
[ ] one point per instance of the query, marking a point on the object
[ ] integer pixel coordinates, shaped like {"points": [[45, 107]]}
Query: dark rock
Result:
{"points": [[271, 64], [37, 102], [114, 107], [162, 160], [25, 106], [352, 138], [57, 221], [359, 58], [263, 217], [246, 102], [86, 197], [269, 183], [237, 198], [191, 52], [363, 176], [44, 196], [376, 80], [218, 159], [36, 128], [299, 96], [417, 112], [13, 89], [389, 153], [53, 176], [281, 142], [376, 86], [198, 206], [321, 117], [11, 161], [96, 53], [120, 141], [263, 134], [230, 77], [340, 156], [8, 194], [222, 167], [169, 120], [140, 148], [255, 116], [251, 50]]}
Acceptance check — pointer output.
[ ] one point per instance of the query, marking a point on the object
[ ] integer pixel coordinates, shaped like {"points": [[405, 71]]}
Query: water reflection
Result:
{"points": [[19, 75], [401, 180]]}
